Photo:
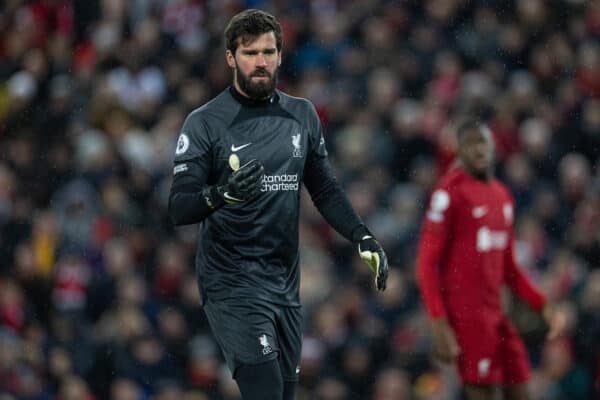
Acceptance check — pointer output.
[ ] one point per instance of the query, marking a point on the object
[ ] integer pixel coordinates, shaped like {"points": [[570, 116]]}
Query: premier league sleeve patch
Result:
{"points": [[183, 144], [440, 201]]}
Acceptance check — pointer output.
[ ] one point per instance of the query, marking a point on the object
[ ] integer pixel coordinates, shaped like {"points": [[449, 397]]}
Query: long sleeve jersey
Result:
{"points": [[250, 250], [466, 250]]}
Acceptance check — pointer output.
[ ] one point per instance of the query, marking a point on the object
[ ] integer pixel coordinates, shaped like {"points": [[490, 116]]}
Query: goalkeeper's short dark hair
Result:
{"points": [[247, 25]]}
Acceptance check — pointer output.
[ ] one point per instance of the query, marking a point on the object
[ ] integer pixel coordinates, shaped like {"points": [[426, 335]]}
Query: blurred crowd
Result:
{"points": [[98, 296]]}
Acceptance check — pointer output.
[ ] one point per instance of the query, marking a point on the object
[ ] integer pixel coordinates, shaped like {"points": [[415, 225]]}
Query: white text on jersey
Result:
{"points": [[276, 183], [488, 239]]}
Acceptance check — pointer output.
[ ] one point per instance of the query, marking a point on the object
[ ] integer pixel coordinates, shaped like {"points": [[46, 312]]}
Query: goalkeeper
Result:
{"points": [[240, 161]]}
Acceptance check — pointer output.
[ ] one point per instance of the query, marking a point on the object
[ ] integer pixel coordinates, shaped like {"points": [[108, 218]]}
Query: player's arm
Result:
{"points": [[187, 201], [332, 202], [191, 198], [522, 286], [330, 199], [435, 234], [518, 281]]}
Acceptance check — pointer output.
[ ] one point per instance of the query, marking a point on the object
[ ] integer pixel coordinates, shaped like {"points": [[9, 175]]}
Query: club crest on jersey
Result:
{"points": [[297, 152], [182, 144]]}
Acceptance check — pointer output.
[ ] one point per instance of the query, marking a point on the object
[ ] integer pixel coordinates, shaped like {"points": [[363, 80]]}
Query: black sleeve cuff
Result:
{"points": [[360, 232]]}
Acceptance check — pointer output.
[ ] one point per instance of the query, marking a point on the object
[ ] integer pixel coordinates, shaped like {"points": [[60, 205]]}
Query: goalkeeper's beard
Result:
{"points": [[257, 90]]}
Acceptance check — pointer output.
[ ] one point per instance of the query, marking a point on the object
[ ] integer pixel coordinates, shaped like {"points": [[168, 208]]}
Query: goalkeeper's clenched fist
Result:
{"points": [[372, 253], [243, 184]]}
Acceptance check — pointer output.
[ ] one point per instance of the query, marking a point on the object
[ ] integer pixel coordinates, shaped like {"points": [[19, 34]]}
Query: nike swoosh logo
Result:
{"points": [[231, 199], [234, 148]]}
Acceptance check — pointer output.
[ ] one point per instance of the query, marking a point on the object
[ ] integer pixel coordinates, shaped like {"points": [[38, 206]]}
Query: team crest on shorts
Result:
{"points": [[483, 367], [264, 342]]}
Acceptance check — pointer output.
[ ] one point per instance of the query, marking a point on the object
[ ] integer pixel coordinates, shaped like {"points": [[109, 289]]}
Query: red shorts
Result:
{"points": [[491, 353]]}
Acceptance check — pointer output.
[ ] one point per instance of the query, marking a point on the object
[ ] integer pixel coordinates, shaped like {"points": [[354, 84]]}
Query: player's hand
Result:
{"points": [[556, 320], [445, 345], [372, 253], [243, 184]]}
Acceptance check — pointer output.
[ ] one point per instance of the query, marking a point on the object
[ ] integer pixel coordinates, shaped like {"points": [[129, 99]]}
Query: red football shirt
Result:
{"points": [[466, 251]]}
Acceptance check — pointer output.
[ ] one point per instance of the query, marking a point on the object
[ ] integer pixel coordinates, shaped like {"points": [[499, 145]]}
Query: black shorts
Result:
{"points": [[253, 332]]}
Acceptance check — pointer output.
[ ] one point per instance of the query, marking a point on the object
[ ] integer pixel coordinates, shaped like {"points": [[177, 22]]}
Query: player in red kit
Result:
{"points": [[466, 254]]}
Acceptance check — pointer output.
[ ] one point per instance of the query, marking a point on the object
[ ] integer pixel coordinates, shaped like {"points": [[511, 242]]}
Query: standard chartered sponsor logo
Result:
{"points": [[276, 183], [488, 239]]}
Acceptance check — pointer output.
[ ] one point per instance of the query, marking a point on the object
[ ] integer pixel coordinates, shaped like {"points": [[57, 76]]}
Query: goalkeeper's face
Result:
{"points": [[256, 66]]}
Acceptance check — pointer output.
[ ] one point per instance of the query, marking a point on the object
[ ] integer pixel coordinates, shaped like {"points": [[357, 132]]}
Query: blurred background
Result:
{"points": [[98, 297]]}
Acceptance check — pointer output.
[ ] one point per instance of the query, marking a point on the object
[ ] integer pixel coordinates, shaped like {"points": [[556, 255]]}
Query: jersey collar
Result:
{"points": [[246, 101]]}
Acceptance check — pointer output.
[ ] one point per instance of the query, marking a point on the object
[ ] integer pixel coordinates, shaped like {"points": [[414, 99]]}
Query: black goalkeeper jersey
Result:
{"points": [[250, 250]]}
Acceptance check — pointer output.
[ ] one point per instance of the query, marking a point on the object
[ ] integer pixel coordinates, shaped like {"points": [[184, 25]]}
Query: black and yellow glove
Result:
{"points": [[243, 184], [372, 254]]}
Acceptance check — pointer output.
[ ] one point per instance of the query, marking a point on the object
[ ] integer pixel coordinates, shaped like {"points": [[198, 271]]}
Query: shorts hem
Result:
{"points": [[238, 363]]}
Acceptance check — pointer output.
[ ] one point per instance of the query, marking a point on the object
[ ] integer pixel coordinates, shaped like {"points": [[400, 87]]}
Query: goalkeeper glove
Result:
{"points": [[242, 185], [372, 253]]}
